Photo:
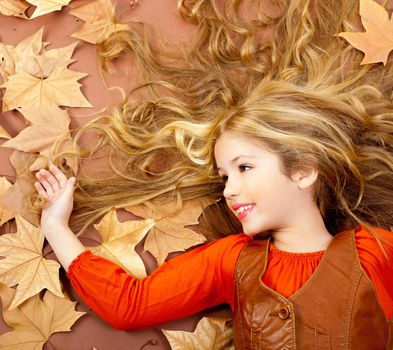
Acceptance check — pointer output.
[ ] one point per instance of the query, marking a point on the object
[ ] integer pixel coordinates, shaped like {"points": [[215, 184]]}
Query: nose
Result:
{"points": [[231, 189]]}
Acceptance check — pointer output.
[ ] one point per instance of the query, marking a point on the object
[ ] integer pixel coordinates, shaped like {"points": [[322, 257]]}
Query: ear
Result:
{"points": [[305, 177]]}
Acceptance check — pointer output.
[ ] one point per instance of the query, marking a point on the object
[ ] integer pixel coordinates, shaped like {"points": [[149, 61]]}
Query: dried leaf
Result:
{"points": [[119, 240], [25, 265], [169, 233], [100, 21], [10, 55], [28, 92], [4, 134], [14, 198], [47, 6], [62, 53], [210, 334], [46, 127], [35, 320], [377, 41], [5, 215], [14, 8], [43, 64]]}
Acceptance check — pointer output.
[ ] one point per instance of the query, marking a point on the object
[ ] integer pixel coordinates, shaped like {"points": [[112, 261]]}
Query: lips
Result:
{"points": [[242, 209]]}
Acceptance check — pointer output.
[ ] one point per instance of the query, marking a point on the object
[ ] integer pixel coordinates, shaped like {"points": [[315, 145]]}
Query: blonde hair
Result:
{"points": [[351, 147], [284, 78]]}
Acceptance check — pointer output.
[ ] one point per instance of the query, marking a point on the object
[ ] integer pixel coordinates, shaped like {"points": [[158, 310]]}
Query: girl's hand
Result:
{"points": [[54, 187]]}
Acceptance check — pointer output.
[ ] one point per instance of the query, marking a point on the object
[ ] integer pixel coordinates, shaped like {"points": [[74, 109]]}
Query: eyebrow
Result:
{"points": [[238, 157]]}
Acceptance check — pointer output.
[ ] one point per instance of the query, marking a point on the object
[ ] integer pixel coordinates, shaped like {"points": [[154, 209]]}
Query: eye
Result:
{"points": [[244, 167]]}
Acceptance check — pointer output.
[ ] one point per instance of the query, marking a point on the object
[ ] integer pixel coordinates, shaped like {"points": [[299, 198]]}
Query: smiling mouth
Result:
{"points": [[242, 212]]}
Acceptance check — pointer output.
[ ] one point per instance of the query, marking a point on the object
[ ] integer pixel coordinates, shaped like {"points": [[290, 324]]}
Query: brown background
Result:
{"points": [[163, 22]]}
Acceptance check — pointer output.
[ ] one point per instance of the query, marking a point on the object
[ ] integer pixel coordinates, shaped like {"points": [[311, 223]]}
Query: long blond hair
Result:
{"points": [[301, 87]]}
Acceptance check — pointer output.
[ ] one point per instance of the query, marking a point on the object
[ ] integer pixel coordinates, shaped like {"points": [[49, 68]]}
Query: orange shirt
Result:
{"points": [[203, 278]]}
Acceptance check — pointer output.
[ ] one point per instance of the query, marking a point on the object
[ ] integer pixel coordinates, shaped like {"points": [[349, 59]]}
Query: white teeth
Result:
{"points": [[242, 209]]}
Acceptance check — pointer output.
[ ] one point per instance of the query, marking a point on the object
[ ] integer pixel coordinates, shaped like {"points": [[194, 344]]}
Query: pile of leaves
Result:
{"points": [[38, 84]]}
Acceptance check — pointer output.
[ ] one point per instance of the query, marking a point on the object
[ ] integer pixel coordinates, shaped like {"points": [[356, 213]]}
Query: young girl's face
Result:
{"points": [[256, 190]]}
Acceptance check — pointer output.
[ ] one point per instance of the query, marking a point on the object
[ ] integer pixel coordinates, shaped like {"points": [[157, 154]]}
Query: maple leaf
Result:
{"points": [[35, 320], [42, 65], [10, 55], [47, 6], [47, 126], [25, 265], [15, 8], [377, 41], [100, 21], [119, 240], [5, 215], [61, 88], [4, 134], [169, 233], [14, 198], [210, 334]]}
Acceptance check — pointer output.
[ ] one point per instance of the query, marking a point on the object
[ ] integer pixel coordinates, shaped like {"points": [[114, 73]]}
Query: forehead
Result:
{"points": [[230, 146]]}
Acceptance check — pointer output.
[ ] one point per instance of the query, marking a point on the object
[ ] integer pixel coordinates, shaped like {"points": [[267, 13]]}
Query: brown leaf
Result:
{"points": [[15, 8], [35, 320], [25, 265], [14, 198], [377, 41], [47, 6], [5, 215], [210, 334], [28, 92], [169, 233], [100, 19], [46, 127], [119, 240]]}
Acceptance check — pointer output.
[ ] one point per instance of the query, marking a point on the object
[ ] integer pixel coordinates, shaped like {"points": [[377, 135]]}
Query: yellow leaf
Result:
{"points": [[169, 233], [210, 334], [47, 6], [63, 53], [14, 198], [100, 21], [10, 55], [28, 92], [41, 66], [15, 8], [25, 265], [5, 215], [4, 134], [35, 320], [119, 240], [377, 41], [46, 127]]}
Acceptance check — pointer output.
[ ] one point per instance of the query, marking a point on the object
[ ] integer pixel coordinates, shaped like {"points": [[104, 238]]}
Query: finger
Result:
{"points": [[48, 176], [44, 183], [71, 184], [40, 190], [61, 178]]}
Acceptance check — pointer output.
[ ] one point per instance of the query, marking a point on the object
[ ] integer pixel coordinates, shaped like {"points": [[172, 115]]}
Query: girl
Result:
{"points": [[309, 174]]}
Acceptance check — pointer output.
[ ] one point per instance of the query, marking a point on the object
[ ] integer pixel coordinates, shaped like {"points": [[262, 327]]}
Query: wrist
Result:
{"points": [[51, 228]]}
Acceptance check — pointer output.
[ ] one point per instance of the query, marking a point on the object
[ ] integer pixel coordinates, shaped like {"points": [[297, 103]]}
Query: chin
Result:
{"points": [[253, 231]]}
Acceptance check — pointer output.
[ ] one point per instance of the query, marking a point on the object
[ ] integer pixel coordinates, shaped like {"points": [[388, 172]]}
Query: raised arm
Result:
{"points": [[57, 191]]}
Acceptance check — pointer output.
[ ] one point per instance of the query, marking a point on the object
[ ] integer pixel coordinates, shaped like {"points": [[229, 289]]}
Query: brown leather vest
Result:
{"points": [[336, 309]]}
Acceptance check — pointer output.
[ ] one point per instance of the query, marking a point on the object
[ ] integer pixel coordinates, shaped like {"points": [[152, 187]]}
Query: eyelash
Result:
{"points": [[241, 168]]}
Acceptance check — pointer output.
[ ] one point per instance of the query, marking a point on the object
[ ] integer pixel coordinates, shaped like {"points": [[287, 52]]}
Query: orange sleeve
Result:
{"points": [[196, 280], [378, 266]]}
